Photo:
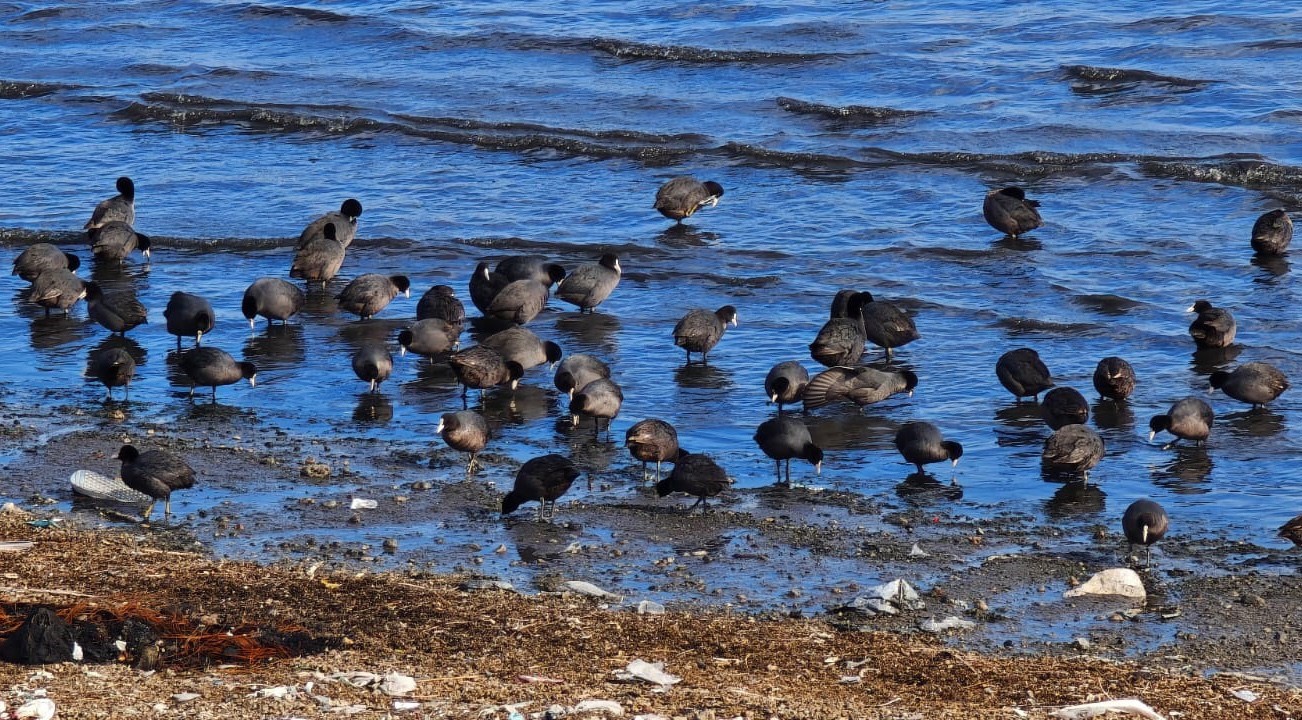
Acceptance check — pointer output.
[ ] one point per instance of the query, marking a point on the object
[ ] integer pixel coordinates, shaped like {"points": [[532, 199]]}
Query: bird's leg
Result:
{"points": [[149, 511], [541, 507], [191, 392], [167, 507], [644, 473], [777, 466], [214, 393], [788, 472], [888, 355], [657, 471]]}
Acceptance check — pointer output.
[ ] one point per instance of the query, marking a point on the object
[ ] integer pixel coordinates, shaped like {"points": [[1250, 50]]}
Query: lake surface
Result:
{"points": [[854, 140]]}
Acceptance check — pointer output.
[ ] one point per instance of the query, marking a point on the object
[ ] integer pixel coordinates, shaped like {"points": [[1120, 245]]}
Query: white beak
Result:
{"points": [[253, 381], [1152, 434], [439, 429], [574, 419]]}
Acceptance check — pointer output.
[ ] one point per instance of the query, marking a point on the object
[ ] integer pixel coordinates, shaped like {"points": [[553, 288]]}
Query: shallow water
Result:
{"points": [[855, 143]]}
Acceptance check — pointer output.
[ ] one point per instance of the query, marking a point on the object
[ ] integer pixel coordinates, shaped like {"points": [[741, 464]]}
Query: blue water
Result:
{"points": [[472, 131]]}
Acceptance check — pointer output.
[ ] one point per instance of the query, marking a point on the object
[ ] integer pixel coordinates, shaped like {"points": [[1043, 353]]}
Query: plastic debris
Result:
{"points": [[16, 546], [395, 684], [35, 709], [9, 507], [363, 504], [185, 697], [539, 679], [486, 584], [650, 607], [1131, 706], [587, 588], [647, 672], [609, 708], [917, 551], [278, 692], [953, 622], [850, 680], [405, 705], [1246, 696], [46, 523], [1114, 581], [885, 599], [102, 487]]}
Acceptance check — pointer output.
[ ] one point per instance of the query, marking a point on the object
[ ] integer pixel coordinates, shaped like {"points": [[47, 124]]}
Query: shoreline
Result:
{"points": [[468, 649]]}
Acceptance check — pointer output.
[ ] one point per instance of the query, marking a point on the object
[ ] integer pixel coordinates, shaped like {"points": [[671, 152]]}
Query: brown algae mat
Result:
{"points": [[227, 630]]}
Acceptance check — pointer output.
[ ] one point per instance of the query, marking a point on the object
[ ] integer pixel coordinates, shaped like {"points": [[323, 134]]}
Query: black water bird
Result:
{"points": [[441, 302], [1214, 327], [860, 385], [114, 242], [682, 196], [320, 258], [544, 479], [530, 267], [116, 313], [119, 208], [344, 222], [482, 367], [578, 370], [1008, 211], [518, 302], [485, 285], [885, 325], [273, 299], [1272, 233], [601, 398], [591, 283], [784, 438], [922, 443], [785, 383], [211, 367], [524, 347], [652, 440], [155, 473], [370, 293], [372, 363], [1114, 378], [188, 315], [40, 257], [1255, 383], [1188, 419], [56, 290], [1073, 449], [700, 330], [1144, 523], [1292, 531], [1064, 406], [430, 338], [465, 431], [695, 474], [840, 342], [1023, 373], [113, 367]]}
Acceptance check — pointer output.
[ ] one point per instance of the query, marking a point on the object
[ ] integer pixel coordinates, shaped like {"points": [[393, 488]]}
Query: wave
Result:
{"points": [[20, 89], [1020, 325], [683, 53], [296, 13], [866, 114], [1241, 172], [1106, 303], [1103, 80]]}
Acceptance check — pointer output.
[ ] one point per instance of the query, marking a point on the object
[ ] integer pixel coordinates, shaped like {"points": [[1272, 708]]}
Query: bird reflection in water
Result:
{"points": [[702, 377], [593, 331], [276, 347], [502, 406], [373, 409], [1113, 415], [852, 430], [1273, 267], [1187, 473], [1257, 422], [923, 488], [684, 236], [1019, 425], [57, 330], [1206, 361], [1075, 498]]}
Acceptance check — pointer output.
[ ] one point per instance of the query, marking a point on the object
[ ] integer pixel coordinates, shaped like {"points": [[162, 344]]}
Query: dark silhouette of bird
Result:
{"points": [[544, 479], [682, 196], [273, 299], [652, 440], [1188, 419], [1272, 233], [784, 438], [922, 443], [211, 367], [40, 257], [695, 474], [368, 294], [840, 342], [155, 473], [465, 431], [320, 258], [1144, 523], [1114, 378], [188, 315], [700, 330], [860, 385], [576, 371], [116, 313], [885, 325], [1255, 383], [1064, 406], [441, 302], [119, 208], [344, 222], [1214, 327], [1072, 449], [530, 267], [1292, 531], [1023, 373], [485, 285], [114, 367], [1008, 211], [785, 383], [373, 364]]}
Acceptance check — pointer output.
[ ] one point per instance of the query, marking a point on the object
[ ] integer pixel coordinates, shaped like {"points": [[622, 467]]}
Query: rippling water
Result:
{"points": [[855, 141]]}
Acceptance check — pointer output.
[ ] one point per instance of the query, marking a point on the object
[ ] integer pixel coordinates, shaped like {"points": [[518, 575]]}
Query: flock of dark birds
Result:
{"points": [[514, 292]]}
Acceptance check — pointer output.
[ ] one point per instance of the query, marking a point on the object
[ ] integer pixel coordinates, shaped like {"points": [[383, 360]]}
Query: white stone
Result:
{"points": [[1113, 581]]}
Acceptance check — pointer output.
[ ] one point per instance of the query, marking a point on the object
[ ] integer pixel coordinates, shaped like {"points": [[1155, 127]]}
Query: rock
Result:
{"points": [[1131, 706], [609, 708], [918, 552], [953, 622], [650, 607], [396, 684], [1082, 643], [586, 588], [314, 469], [1246, 696], [1114, 581], [36, 709]]}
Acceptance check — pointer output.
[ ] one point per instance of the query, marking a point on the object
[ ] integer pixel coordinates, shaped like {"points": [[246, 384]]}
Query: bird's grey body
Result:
{"points": [[113, 367], [370, 293], [344, 221], [188, 315], [922, 443], [155, 473], [590, 283], [56, 290], [785, 383], [700, 330], [119, 208], [372, 364], [1008, 211], [860, 385], [652, 440], [680, 197], [1188, 419], [465, 431], [1072, 449], [320, 258], [273, 299], [523, 346], [1272, 233], [40, 257], [212, 367], [1114, 378], [1255, 383], [115, 241], [118, 312], [576, 371], [1214, 327], [1023, 373]]}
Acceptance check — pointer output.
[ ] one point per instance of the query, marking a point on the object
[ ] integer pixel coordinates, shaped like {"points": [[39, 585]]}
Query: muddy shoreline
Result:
{"points": [[1213, 605]]}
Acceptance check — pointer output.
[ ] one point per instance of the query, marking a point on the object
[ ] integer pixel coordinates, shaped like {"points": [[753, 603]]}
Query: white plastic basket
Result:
{"points": [[101, 487]]}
